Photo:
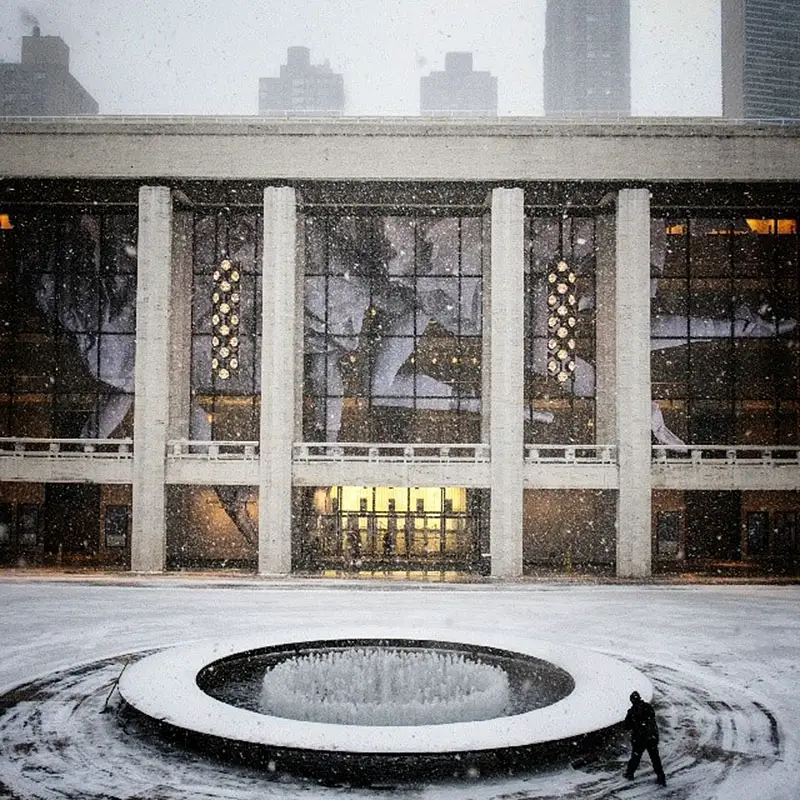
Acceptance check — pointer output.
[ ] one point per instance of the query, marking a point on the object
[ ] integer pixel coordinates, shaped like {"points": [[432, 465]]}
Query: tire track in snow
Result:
{"points": [[57, 744]]}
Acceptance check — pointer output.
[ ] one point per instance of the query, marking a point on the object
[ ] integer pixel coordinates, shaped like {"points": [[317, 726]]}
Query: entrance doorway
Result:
{"points": [[382, 527]]}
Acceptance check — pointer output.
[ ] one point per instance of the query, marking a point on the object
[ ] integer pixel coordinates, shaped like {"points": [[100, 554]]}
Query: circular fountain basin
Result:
{"points": [[179, 690]]}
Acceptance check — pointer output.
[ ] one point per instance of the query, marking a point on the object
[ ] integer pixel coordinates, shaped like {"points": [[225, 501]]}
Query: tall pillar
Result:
{"points": [[634, 552], [151, 405], [281, 331], [506, 375]]}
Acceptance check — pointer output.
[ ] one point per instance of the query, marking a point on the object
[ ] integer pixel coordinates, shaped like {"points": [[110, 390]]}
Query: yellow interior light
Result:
{"points": [[5, 222], [783, 227]]}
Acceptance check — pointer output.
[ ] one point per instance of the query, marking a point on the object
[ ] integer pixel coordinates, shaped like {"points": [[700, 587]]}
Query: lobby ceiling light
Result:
{"points": [[561, 322], [225, 301]]}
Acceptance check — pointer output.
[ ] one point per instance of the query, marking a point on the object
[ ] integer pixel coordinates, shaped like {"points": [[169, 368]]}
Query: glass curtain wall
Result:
{"points": [[67, 356], [393, 320], [392, 354], [724, 340], [726, 371], [67, 323]]}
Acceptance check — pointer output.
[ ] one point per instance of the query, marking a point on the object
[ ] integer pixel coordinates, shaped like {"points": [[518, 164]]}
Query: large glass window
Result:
{"points": [[393, 323], [724, 335], [68, 323], [226, 325], [559, 329]]}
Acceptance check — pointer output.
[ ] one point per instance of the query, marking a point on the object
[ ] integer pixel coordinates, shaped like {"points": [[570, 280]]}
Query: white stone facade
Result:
{"points": [[166, 161]]}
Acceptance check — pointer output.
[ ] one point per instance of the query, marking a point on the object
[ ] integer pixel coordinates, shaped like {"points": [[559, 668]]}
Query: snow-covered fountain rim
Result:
{"points": [[163, 686]]}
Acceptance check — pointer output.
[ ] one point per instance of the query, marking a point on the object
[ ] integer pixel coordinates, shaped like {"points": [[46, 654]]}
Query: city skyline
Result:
{"points": [[170, 58]]}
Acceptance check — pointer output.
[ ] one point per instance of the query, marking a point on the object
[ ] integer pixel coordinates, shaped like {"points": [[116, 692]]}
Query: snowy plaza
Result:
{"points": [[357, 453], [723, 660]]}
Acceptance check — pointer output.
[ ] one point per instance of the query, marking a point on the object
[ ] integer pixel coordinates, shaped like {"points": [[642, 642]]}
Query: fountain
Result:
{"points": [[377, 705], [385, 686]]}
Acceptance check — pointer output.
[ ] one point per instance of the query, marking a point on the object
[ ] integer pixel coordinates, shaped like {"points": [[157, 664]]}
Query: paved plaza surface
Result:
{"points": [[724, 661]]}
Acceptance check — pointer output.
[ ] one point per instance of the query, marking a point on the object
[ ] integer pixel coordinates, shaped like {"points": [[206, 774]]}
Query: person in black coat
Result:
{"points": [[641, 721]]}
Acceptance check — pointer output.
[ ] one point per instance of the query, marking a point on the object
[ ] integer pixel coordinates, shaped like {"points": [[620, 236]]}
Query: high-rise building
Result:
{"points": [[41, 85], [761, 59], [303, 88], [587, 58], [458, 90]]}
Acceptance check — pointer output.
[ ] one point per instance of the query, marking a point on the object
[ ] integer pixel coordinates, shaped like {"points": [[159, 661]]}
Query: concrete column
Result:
{"points": [[634, 552], [281, 329], [180, 327], [605, 332], [151, 405], [506, 392]]}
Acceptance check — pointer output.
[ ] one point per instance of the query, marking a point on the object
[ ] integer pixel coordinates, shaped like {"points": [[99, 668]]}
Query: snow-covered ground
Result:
{"points": [[724, 661]]}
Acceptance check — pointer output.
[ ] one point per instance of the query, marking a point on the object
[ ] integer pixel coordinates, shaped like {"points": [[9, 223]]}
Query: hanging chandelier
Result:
{"points": [[561, 322], [225, 321]]}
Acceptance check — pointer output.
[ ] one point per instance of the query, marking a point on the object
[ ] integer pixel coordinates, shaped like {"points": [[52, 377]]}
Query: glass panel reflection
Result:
{"points": [[393, 325], [724, 330], [70, 327]]}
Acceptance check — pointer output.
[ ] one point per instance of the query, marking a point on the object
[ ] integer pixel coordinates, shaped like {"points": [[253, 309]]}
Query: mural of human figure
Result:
{"points": [[442, 286], [342, 307], [96, 303], [343, 261], [429, 271]]}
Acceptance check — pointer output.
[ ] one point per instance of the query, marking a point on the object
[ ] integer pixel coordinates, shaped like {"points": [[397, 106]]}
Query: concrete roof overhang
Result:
{"points": [[398, 150]]}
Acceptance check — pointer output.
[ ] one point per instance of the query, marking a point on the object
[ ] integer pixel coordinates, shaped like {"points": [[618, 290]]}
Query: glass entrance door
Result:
{"points": [[380, 527]]}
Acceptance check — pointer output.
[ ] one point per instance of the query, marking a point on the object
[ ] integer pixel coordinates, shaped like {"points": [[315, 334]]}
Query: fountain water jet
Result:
{"points": [[385, 686]]}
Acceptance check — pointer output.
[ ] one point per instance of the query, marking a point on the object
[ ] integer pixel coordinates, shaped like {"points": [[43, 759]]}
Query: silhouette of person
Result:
{"points": [[641, 721]]}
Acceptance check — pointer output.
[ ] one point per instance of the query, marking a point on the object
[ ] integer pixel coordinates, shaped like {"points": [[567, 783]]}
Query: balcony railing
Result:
{"points": [[571, 454], [121, 449], [185, 449], [306, 452], [727, 455]]}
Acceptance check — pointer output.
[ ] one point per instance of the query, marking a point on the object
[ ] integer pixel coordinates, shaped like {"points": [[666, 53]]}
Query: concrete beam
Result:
{"points": [[198, 148]]}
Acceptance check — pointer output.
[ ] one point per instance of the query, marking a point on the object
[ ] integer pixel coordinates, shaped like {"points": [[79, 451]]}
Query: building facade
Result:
{"points": [[760, 59], [303, 88], [466, 347], [41, 84], [587, 70], [458, 90]]}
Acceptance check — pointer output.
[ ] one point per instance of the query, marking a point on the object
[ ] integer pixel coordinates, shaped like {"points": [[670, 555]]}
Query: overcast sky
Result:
{"points": [[206, 56]]}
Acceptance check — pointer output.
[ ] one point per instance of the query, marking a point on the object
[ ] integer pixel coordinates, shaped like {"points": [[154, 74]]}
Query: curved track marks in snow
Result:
{"points": [[57, 744]]}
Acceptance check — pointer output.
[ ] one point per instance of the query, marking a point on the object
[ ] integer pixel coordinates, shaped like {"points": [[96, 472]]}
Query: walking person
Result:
{"points": [[641, 721]]}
